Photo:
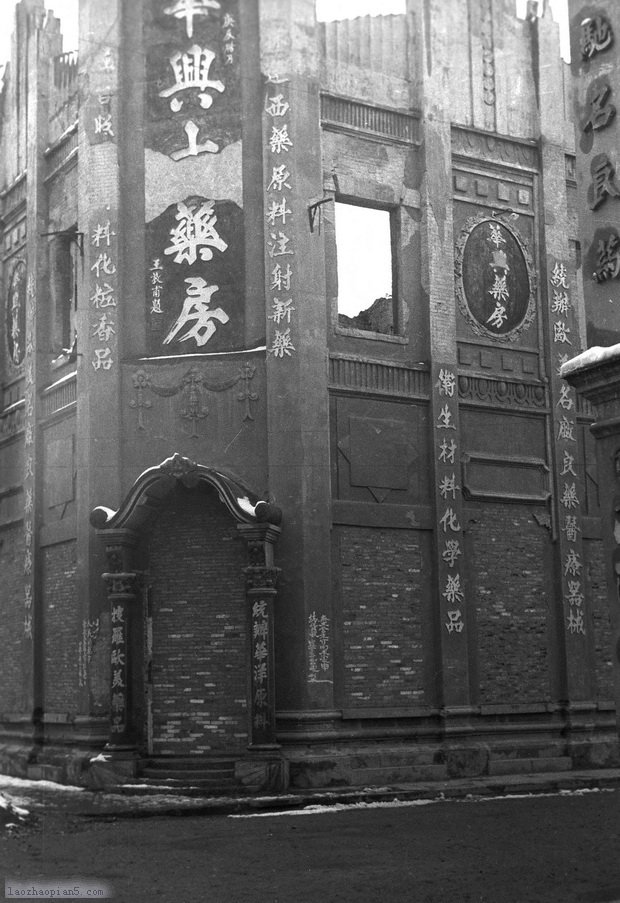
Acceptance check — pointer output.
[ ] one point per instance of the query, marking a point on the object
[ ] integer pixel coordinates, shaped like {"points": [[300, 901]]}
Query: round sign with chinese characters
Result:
{"points": [[15, 323], [494, 279]]}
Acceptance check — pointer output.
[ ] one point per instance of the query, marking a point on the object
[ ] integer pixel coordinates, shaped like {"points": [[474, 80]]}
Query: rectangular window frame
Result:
{"points": [[397, 336]]}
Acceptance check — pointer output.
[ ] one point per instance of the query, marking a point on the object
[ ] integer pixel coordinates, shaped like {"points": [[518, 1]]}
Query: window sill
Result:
{"points": [[373, 336]]}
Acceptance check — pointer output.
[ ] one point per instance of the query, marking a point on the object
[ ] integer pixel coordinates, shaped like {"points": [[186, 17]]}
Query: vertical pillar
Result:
{"points": [[597, 378], [438, 284], [261, 578], [99, 307], [562, 342], [296, 328], [36, 348]]}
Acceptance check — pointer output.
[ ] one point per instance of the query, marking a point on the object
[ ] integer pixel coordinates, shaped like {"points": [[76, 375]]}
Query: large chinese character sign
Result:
{"points": [[494, 279], [195, 285], [193, 76]]}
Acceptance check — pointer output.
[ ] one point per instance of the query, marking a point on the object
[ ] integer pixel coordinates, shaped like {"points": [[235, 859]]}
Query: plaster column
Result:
{"points": [[99, 313], [595, 375], [559, 301], [452, 604], [39, 47], [296, 368]]}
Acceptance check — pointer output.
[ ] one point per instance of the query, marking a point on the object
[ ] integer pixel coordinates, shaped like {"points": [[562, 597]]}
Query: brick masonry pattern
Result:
{"points": [[61, 627], [510, 554], [383, 593], [12, 621], [196, 561], [593, 552]]}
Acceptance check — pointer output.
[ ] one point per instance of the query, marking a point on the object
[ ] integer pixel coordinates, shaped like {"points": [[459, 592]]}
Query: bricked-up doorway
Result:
{"points": [[196, 624], [190, 580]]}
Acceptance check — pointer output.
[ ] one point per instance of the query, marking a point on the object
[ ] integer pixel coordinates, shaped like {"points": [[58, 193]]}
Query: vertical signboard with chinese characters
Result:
{"points": [[280, 249], [568, 479], [449, 502], [118, 667], [195, 235], [103, 333], [261, 669], [594, 62], [100, 311]]}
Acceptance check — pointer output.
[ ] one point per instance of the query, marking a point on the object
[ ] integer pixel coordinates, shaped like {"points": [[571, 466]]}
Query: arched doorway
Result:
{"points": [[191, 611]]}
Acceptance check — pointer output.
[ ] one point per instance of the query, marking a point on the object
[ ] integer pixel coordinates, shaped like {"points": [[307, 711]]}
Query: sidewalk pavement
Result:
{"points": [[141, 800]]}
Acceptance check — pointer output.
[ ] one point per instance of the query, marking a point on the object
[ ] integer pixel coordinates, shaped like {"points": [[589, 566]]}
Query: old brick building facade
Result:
{"points": [[246, 530]]}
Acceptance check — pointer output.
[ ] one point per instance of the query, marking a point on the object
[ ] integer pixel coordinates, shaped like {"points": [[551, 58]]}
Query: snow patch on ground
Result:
{"points": [[332, 808], [25, 784], [11, 815]]}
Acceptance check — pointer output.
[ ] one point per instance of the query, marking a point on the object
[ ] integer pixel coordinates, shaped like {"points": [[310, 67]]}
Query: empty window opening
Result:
{"points": [[64, 256], [365, 268]]}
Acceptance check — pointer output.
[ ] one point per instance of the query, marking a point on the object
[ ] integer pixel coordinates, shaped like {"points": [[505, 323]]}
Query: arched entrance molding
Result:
{"points": [[258, 523]]}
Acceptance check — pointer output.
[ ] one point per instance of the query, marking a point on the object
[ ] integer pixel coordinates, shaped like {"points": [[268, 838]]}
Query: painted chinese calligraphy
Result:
{"points": [[229, 38], [499, 290], [261, 717], [195, 233], [196, 308], [448, 494], [156, 285], [596, 36], [191, 71], [601, 112], [277, 215], [318, 646], [118, 698], [187, 9], [103, 328], [603, 183], [568, 495], [190, 79], [607, 258], [495, 279]]}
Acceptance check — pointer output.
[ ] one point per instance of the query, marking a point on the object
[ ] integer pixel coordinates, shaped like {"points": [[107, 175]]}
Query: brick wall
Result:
{"points": [[61, 627], [509, 555], [593, 553], [199, 666], [384, 593], [12, 620]]}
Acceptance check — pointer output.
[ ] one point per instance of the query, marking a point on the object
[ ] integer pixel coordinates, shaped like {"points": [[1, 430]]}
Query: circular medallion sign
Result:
{"points": [[16, 314], [494, 279]]}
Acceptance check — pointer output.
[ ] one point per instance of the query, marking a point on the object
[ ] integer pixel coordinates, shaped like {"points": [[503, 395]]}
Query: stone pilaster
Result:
{"points": [[561, 327], [296, 329], [261, 579], [596, 376], [39, 47], [451, 604], [100, 307]]}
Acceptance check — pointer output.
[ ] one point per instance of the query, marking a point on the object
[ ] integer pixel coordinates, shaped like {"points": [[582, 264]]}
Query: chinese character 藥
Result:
{"points": [[195, 233]]}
